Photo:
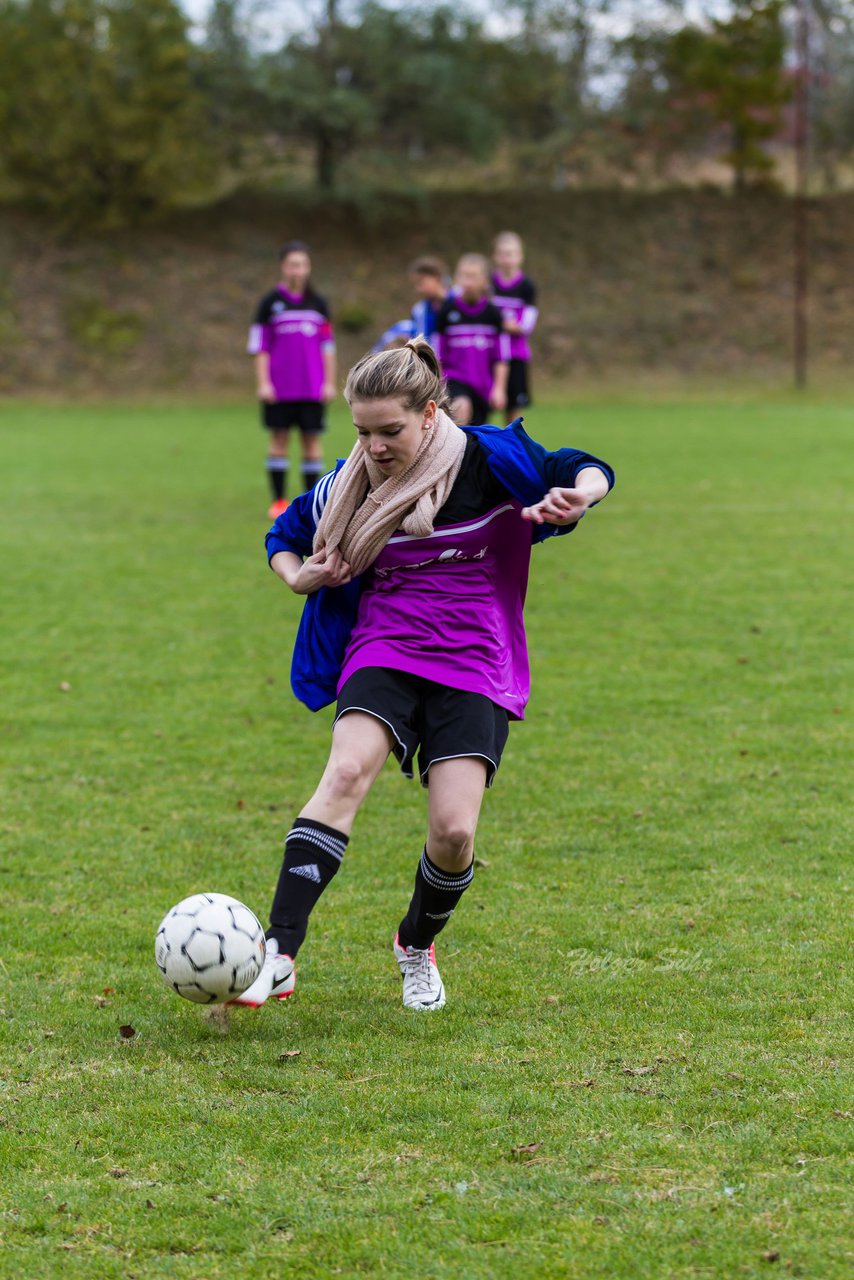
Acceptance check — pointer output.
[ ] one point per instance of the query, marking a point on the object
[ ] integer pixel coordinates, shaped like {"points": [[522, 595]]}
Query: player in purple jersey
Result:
{"points": [[428, 529], [294, 350], [515, 295], [473, 349]]}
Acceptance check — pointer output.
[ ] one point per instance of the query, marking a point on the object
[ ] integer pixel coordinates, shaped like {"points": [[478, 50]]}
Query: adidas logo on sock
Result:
{"points": [[307, 873]]}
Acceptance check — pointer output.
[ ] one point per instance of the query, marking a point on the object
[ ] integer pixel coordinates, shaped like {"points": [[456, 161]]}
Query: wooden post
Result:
{"points": [[801, 206]]}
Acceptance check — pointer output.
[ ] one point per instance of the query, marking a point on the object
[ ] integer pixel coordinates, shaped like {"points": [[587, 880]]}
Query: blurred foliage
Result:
{"points": [[110, 111], [727, 81], [99, 119], [95, 325], [354, 317]]}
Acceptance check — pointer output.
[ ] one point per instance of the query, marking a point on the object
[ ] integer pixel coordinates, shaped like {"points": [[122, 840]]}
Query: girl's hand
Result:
{"points": [[327, 393], [560, 507], [512, 326], [323, 569], [266, 392], [497, 398]]}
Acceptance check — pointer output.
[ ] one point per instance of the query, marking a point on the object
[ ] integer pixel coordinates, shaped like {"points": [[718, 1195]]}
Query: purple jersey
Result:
{"points": [[295, 331], [470, 341], [517, 298], [449, 606]]}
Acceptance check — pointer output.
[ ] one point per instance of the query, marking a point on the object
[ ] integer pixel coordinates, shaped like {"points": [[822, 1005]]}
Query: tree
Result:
{"points": [[684, 87], [98, 116]]}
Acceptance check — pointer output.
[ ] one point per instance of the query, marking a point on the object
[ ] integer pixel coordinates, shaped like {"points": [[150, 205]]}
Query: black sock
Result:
{"points": [[313, 854], [436, 895], [311, 473], [277, 474]]}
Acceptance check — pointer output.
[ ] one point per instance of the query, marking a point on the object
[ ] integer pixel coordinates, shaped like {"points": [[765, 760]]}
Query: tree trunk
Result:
{"points": [[324, 159]]}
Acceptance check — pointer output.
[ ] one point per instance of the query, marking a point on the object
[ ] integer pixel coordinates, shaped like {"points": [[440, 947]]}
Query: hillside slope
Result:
{"points": [[686, 284]]}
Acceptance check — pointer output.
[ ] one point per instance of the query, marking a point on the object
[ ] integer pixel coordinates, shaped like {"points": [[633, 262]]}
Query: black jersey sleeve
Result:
{"points": [[492, 315], [442, 317], [320, 304], [528, 292], [262, 311]]}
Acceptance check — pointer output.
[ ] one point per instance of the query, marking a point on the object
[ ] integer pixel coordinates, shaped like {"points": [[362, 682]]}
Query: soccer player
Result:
{"points": [[473, 349], [413, 556], [516, 296], [294, 350], [429, 280]]}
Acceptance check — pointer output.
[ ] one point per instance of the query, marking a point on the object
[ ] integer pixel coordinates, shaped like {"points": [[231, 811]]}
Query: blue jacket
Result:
{"points": [[523, 466]]}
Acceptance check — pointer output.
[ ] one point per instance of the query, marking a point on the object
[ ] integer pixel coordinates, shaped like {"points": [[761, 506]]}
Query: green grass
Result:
{"points": [[640, 1071]]}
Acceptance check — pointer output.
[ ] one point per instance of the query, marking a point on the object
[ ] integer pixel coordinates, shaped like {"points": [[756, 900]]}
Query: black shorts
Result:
{"points": [[281, 415], [518, 391], [423, 716], [479, 407]]}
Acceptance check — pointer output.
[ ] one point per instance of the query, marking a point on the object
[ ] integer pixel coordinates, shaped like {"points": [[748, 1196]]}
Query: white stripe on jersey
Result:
{"points": [[256, 334], [293, 314], [321, 496], [465, 330], [454, 530], [528, 320]]}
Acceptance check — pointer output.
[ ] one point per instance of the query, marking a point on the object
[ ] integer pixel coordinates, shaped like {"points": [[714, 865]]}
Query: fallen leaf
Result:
{"points": [[289, 1053], [241, 804], [126, 1031], [578, 1084], [482, 862], [101, 1002], [118, 1173], [771, 1256], [149, 1204], [527, 1149], [109, 991], [552, 1000], [600, 1220]]}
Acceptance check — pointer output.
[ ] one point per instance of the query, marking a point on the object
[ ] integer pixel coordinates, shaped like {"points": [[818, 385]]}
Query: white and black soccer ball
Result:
{"points": [[209, 948]]}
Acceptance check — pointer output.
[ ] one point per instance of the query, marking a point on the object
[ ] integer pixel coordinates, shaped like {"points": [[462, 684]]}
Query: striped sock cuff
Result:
{"points": [[438, 879], [326, 838], [278, 464]]}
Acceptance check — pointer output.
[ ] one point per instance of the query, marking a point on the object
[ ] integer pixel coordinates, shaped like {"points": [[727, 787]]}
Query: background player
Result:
{"points": [[294, 350], [429, 277], [471, 344], [516, 296]]}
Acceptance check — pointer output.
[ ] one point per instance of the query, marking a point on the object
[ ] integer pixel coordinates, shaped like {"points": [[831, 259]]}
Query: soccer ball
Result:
{"points": [[209, 948]]}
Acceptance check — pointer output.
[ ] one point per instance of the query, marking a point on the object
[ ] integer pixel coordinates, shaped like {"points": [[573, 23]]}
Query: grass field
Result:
{"points": [[641, 1069]]}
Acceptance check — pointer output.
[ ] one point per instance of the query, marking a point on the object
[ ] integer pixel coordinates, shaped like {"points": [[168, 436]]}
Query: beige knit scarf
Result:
{"points": [[365, 506]]}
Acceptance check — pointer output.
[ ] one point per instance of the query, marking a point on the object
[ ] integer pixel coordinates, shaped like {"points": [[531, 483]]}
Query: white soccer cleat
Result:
{"points": [[276, 980], [422, 986]]}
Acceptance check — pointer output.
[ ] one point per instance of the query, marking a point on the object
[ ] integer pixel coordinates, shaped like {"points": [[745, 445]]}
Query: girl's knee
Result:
{"points": [[347, 778], [452, 840]]}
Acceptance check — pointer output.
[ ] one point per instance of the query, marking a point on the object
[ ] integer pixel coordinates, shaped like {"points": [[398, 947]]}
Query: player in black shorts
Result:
{"points": [[294, 349], [515, 295]]}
